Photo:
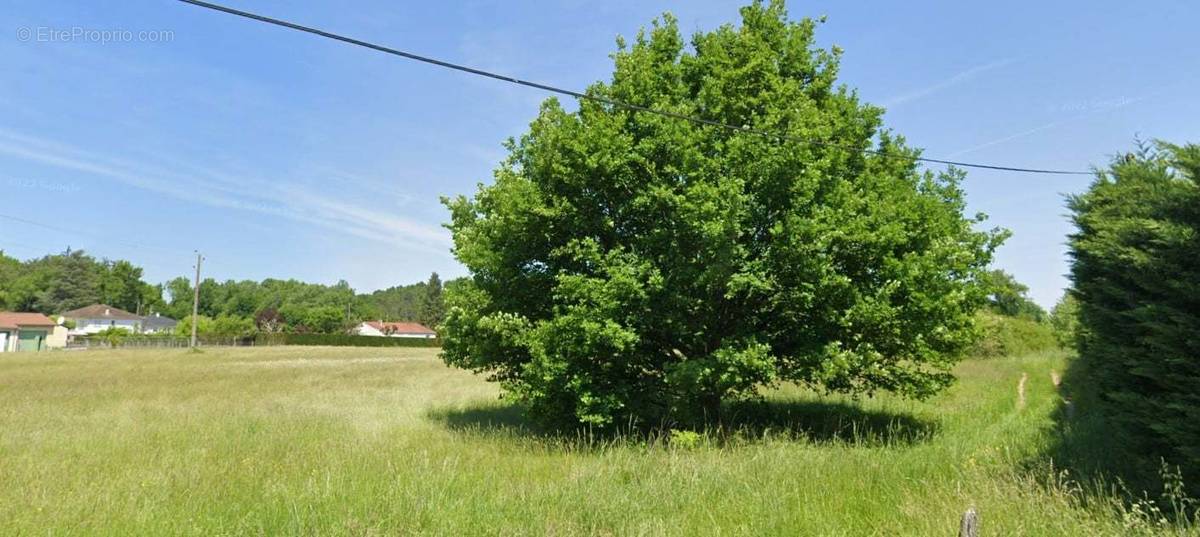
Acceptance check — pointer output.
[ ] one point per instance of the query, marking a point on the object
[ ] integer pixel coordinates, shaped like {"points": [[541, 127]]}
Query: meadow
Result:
{"points": [[383, 441]]}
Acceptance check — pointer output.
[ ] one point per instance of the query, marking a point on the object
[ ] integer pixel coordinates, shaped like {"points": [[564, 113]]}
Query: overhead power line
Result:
{"points": [[605, 100], [74, 232]]}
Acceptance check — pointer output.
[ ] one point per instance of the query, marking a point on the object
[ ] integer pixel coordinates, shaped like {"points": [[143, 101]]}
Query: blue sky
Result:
{"points": [[280, 154]]}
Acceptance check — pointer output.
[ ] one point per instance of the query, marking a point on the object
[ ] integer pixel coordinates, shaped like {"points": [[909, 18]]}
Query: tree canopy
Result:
{"points": [[433, 307], [1135, 272], [1007, 296], [629, 267], [57, 283]]}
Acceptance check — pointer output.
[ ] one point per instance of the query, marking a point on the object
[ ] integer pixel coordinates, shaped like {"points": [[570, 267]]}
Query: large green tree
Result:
{"points": [[17, 288], [433, 306], [1136, 276], [67, 281], [627, 266], [121, 285]]}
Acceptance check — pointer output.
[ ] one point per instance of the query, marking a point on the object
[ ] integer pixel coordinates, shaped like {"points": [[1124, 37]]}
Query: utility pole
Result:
{"points": [[196, 299]]}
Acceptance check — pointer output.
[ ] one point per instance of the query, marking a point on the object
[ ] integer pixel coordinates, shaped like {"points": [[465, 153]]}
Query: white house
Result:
{"points": [[100, 317], [380, 328]]}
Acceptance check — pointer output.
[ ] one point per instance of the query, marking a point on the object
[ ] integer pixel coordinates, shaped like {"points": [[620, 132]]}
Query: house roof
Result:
{"points": [[12, 320], [158, 321], [101, 311], [400, 328]]}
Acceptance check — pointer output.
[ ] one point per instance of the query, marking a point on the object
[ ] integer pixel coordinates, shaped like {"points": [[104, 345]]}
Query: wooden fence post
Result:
{"points": [[970, 524]]}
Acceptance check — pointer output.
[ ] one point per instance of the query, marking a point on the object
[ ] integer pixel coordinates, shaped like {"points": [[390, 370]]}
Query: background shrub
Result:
{"points": [[1064, 319], [1002, 335]]}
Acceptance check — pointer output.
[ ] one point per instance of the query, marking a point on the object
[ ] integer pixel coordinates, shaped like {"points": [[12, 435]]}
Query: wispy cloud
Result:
{"points": [[217, 188], [1047, 126], [955, 80]]}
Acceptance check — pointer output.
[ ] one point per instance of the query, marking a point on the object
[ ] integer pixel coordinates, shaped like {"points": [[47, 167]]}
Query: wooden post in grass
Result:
{"points": [[195, 299], [970, 524]]}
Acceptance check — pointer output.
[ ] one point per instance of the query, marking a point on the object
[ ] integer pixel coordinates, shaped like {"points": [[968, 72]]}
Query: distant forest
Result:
{"points": [[73, 279]]}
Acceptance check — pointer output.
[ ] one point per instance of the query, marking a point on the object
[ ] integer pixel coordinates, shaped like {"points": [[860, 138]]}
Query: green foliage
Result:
{"points": [[343, 340], [121, 285], [1009, 297], [225, 326], [294, 306], [57, 283], [10, 272], [433, 307], [184, 327], [399, 303], [1135, 271], [1014, 324], [314, 319], [114, 336], [685, 439], [68, 281], [1064, 319], [230, 326], [1002, 335], [179, 291], [626, 266]]}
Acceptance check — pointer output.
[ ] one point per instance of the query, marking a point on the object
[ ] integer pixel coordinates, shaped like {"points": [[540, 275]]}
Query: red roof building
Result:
{"points": [[392, 329]]}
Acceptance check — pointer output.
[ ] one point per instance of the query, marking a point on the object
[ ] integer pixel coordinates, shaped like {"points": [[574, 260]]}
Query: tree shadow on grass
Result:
{"points": [[827, 422], [489, 416], [800, 420]]}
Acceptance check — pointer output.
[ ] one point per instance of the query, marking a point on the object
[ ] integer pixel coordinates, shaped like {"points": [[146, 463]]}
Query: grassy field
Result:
{"points": [[389, 441]]}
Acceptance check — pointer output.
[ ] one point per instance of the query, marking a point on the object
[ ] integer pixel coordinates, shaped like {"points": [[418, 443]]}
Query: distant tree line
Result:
{"points": [[73, 279]]}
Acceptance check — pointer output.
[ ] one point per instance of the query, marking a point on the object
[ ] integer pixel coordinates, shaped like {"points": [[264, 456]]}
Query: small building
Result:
{"points": [[157, 324], [389, 329], [29, 332], [101, 317]]}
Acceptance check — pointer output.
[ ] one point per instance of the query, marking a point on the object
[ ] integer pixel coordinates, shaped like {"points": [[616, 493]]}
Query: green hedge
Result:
{"points": [[344, 340], [1136, 271], [1012, 336], [125, 339]]}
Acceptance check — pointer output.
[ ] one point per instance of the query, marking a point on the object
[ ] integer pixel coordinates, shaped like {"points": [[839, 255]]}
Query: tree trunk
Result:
{"points": [[710, 404]]}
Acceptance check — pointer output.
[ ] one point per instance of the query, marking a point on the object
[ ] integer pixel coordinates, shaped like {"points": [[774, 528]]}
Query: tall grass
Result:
{"points": [[348, 441]]}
